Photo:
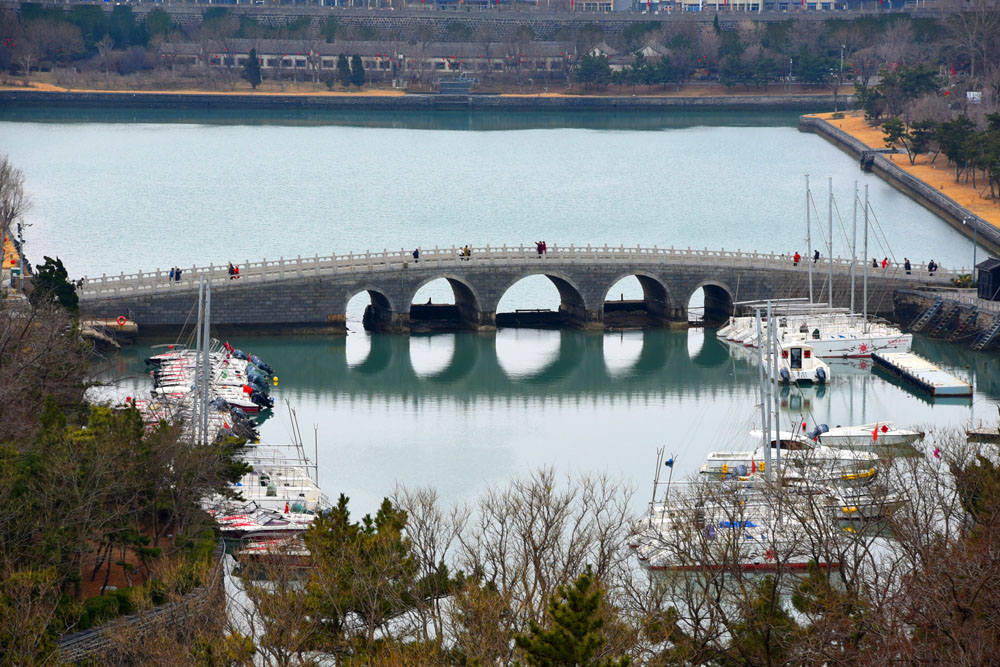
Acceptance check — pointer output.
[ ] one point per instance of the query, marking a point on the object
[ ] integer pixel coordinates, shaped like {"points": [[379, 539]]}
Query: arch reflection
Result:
{"points": [[431, 355], [622, 352], [522, 353]]}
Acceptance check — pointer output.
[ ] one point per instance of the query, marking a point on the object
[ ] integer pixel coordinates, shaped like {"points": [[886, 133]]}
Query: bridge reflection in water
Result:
{"points": [[508, 363], [460, 411]]}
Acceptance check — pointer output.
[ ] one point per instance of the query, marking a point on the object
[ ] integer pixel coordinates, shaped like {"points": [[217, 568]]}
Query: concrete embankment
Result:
{"points": [[957, 316], [931, 198], [11, 98]]}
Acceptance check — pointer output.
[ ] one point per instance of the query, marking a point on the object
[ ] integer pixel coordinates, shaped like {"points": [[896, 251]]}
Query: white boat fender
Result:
{"points": [[785, 377]]}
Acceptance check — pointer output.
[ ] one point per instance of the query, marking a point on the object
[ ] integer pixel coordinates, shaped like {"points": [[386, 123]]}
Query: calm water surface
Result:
{"points": [[122, 191], [461, 411]]}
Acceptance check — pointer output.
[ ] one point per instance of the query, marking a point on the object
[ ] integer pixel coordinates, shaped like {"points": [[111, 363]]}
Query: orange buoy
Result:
{"points": [[121, 320]]}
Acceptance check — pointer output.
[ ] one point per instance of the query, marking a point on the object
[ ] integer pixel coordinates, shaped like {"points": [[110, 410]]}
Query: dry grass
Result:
{"points": [[228, 83], [937, 175], [265, 89]]}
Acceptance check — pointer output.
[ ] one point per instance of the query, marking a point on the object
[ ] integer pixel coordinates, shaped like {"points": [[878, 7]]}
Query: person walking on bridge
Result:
{"points": [[416, 255], [815, 256], [906, 265], [796, 258]]}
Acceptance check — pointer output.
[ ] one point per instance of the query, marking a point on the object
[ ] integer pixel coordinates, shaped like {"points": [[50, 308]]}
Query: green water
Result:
{"points": [[460, 411]]}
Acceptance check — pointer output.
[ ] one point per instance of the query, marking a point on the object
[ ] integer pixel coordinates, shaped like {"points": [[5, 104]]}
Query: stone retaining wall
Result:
{"points": [[419, 102], [908, 305], [930, 198]]}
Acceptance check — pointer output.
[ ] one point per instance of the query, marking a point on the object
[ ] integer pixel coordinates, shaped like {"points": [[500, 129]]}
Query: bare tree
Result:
{"points": [[973, 30], [105, 48], [14, 202], [898, 44], [26, 53]]}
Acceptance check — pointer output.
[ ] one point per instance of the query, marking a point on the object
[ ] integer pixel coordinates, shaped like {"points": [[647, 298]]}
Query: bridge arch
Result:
{"points": [[466, 312], [378, 315], [573, 304], [656, 305], [719, 300]]}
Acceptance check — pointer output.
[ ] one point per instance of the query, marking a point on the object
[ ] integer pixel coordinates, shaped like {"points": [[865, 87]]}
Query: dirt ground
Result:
{"points": [[937, 174], [42, 82]]}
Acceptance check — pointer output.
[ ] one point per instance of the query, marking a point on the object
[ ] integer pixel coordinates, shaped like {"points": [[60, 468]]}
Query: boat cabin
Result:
{"points": [[795, 355], [794, 445]]}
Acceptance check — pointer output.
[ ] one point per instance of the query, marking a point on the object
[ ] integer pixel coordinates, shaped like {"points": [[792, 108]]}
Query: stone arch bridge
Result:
{"points": [[310, 294]]}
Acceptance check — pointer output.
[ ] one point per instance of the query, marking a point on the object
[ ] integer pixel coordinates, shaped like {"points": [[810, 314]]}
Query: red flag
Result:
{"points": [[286, 507], [875, 434], [753, 466]]}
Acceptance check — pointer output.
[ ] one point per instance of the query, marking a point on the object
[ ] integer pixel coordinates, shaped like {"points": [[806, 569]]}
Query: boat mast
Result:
{"points": [[316, 453], [829, 246], [809, 248], [774, 378], [206, 365], [656, 483], [765, 407], [865, 280], [854, 243], [196, 411]]}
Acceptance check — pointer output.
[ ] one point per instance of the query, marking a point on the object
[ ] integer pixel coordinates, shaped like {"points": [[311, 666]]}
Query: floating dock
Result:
{"points": [[924, 374]]}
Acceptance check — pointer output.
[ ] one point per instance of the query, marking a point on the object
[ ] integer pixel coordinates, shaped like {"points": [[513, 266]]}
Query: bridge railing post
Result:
{"points": [[281, 268]]}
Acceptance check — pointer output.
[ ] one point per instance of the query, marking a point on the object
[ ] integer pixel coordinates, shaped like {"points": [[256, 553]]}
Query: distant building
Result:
{"points": [[382, 60]]}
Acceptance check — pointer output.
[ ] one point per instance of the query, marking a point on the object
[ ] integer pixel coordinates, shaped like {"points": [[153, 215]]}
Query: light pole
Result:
{"points": [[840, 78], [975, 240], [789, 76]]}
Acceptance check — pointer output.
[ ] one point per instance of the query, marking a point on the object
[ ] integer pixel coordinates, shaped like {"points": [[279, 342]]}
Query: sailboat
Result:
{"points": [[833, 333]]}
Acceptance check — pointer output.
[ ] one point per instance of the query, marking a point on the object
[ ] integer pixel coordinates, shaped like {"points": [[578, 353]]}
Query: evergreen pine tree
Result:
{"points": [[251, 70], [764, 633], [357, 71], [343, 71], [50, 283], [575, 637]]}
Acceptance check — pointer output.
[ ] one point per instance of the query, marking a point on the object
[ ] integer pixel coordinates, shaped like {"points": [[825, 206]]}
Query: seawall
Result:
{"points": [[927, 196], [10, 98]]}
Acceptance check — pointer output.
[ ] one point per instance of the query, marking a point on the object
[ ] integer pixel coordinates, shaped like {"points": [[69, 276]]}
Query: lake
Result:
{"points": [[122, 191]]}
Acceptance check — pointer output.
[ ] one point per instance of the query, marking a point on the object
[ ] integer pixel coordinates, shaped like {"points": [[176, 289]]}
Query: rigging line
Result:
{"points": [[184, 326], [887, 248], [820, 227], [840, 219]]}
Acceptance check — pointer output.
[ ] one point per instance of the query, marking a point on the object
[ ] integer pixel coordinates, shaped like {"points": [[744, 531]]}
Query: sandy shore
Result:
{"points": [[291, 90], [309, 90], [938, 175]]}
